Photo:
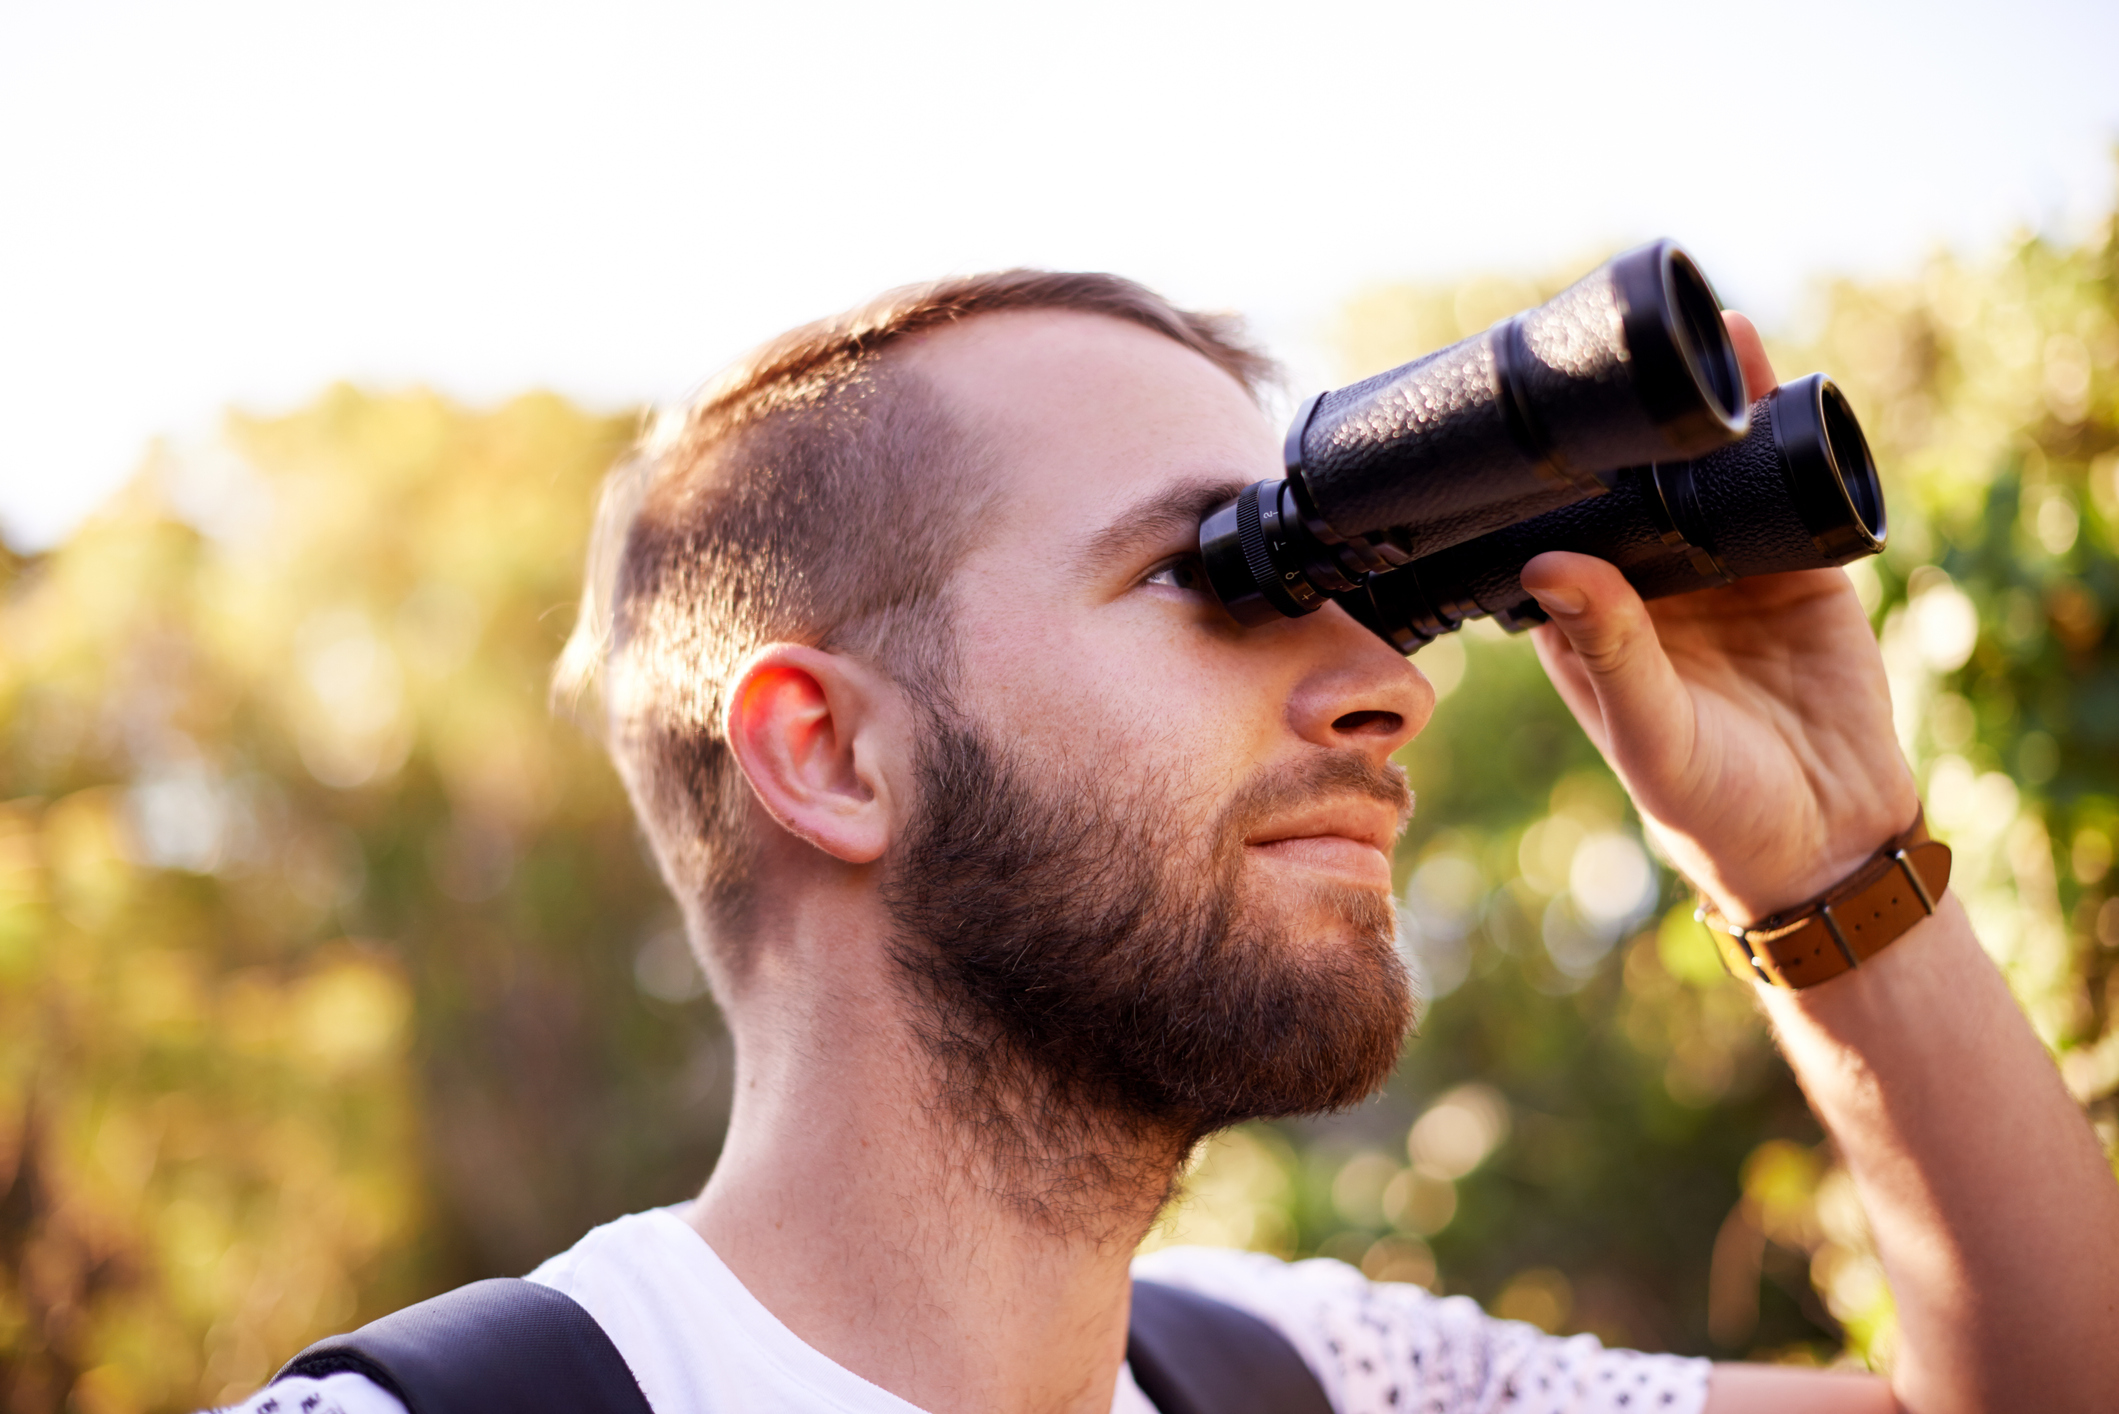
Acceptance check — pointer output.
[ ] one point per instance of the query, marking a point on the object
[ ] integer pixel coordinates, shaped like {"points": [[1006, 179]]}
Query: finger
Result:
{"points": [[1571, 680], [1644, 708], [1750, 356]]}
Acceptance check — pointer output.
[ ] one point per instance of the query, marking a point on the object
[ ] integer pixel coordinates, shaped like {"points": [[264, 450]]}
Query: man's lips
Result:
{"points": [[1365, 822], [1347, 836]]}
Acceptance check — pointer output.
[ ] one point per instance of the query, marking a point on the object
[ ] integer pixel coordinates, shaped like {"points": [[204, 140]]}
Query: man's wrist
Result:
{"points": [[1834, 932]]}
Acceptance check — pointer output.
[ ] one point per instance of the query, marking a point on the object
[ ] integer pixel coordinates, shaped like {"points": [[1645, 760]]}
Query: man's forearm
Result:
{"points": [[1995, 1214]]}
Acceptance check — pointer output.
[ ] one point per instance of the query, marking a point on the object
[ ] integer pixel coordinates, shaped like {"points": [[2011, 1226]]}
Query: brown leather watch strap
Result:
{"points": [[1847, 924]]}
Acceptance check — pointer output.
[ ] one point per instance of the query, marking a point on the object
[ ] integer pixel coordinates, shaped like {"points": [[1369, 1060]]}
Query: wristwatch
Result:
{"points": [[1846, 925]]}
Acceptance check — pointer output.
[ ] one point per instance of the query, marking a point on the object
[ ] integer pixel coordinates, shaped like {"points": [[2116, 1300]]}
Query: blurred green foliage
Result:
{"points": [[332, 972]]}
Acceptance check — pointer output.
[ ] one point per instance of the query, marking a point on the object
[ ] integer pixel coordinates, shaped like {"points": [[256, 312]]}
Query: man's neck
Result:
{"points": [[937, 1243]]}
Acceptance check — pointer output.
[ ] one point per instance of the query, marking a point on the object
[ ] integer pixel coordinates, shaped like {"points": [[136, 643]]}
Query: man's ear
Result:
{"points": [[820, 737]]}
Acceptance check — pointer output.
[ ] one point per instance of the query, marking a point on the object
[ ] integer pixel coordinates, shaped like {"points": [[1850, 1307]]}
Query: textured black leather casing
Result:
{"points": [[1515, 421], [1669, 528]]}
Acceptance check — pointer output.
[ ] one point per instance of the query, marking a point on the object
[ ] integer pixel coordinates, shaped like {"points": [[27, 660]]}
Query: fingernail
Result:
{"points": [[1560, 601]]}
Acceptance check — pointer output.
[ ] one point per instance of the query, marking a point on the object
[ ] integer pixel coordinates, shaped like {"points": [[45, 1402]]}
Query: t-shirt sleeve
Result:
{"points": [[1392, 1348], [333, 1394]]}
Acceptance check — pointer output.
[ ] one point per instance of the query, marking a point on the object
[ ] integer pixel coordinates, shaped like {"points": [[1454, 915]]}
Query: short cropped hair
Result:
{"points": [[817, 492]]}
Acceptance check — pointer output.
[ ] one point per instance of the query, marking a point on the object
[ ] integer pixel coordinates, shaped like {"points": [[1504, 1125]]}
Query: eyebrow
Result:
{"points": [[1152, 519]]}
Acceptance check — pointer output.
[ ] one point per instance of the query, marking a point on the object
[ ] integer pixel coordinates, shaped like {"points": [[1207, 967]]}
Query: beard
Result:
{"points": [[1092, 971]]}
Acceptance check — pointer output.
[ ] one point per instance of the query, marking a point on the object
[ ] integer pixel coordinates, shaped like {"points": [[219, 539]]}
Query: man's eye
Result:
{"points": [[1184, 572]]}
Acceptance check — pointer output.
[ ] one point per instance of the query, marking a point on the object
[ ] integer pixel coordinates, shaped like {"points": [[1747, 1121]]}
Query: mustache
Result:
{"points": [[1332, 773]]}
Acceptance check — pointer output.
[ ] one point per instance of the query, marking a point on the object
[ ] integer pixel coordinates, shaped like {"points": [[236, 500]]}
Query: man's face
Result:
{"points": [[1212, 809]]}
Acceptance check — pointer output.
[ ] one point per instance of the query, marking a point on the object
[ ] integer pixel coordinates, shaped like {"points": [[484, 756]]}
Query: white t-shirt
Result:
{"points": [[700, 1343]]}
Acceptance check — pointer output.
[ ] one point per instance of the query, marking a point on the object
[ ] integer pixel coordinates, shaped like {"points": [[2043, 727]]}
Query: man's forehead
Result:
{"points": [[1083, 407]]}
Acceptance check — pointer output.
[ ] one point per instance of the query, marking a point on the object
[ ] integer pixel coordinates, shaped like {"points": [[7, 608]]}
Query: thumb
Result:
{"points": [[1616, 654]]}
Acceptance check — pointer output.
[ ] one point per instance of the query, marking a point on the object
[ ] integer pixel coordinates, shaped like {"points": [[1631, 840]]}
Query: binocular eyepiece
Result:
{"points": [[1610, 420]]}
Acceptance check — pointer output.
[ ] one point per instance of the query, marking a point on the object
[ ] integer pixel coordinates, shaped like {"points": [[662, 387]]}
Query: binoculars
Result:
{"points": [[1610, 420]]}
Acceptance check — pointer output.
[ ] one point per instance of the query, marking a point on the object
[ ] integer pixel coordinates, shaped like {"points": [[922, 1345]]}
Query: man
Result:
{"points": [[1017, 867]]}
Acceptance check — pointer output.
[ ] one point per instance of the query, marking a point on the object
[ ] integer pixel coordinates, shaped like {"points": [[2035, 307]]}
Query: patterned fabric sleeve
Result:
{"points": [[1391, 1348]]}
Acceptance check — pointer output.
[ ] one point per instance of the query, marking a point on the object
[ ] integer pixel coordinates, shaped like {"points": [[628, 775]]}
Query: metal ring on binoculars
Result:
{"points": [[1831, 474], [1663, 293]]}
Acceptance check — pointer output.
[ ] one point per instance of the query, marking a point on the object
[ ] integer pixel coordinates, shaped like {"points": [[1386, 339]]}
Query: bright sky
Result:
{"points": [[210, 203]]}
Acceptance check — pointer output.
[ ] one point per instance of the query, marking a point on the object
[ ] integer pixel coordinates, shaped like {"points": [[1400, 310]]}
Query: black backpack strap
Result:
{"points": [[508, 1346], [1192, 1354], [504, 1346]]}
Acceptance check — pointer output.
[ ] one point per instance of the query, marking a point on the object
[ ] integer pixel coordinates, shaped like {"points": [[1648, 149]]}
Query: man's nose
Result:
{"points": [[1358, 691]]}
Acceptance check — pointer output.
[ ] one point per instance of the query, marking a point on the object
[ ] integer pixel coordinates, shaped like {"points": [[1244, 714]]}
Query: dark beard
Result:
{"points": [[1092, 981]]}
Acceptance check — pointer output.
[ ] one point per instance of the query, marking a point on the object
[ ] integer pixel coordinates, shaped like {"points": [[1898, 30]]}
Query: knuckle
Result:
{"points": [[1610, 647]]}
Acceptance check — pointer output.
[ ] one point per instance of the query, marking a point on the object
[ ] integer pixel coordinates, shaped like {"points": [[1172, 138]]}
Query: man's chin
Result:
{"points": [[1332, 1011], [1314, 915]]}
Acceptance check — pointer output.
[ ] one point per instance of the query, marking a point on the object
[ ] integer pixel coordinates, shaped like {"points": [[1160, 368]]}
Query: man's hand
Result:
{"points": [[1751, 723]]}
